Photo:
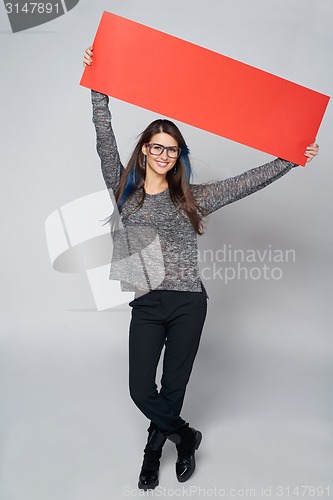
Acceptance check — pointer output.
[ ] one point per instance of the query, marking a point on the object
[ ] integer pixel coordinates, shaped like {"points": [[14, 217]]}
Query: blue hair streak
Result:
{"points": [[184, 157], [129, 187]]}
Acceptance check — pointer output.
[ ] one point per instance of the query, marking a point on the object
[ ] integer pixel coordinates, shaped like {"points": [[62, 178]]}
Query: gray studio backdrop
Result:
{"points": [[260, 387]]}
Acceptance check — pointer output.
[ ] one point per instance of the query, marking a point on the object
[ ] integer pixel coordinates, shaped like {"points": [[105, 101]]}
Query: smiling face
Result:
{"points": [[160, 164]]}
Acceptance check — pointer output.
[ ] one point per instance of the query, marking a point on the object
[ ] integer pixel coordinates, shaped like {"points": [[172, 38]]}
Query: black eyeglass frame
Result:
{"points": [[167, 148]]}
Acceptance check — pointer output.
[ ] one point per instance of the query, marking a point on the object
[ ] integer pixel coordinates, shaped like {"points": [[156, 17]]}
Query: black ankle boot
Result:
{"points": [[187, 440], [148, 478]]}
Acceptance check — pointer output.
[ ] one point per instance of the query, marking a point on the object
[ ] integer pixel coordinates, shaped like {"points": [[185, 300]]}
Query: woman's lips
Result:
{"points": [[162, 164]]}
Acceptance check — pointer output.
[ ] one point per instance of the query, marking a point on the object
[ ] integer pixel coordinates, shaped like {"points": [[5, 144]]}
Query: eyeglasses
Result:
{"points": [[158, 149]]}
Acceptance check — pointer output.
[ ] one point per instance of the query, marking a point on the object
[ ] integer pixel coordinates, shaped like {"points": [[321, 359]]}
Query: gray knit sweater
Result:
{"points": [[156, 246]]}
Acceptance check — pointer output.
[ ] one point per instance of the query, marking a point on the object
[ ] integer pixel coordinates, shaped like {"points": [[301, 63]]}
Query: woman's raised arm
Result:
{"points": [[214, 195], [106, 143]]}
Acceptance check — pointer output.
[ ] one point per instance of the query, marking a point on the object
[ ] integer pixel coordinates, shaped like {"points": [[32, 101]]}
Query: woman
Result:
{"points": [[155, 254]]}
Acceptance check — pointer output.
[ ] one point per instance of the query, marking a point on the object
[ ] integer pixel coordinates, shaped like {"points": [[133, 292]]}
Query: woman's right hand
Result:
{"points": [[87, 58]]}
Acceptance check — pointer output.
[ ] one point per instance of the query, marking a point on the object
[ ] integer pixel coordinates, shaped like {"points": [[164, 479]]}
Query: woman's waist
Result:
{"points": [[172, 289]]}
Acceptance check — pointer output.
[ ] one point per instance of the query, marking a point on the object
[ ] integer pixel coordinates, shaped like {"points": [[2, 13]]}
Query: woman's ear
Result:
{"points": [[144, 149]]}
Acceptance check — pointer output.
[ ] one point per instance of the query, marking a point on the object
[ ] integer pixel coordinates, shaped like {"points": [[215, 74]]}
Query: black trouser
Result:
{"points": [[174, 319]]}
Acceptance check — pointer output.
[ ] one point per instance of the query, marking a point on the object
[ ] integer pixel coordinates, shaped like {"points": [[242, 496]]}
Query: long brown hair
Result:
{"points": [[178, 178]]}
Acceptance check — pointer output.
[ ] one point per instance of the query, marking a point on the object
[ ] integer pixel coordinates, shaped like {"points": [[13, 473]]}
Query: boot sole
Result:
{"points": [[146, 487]]}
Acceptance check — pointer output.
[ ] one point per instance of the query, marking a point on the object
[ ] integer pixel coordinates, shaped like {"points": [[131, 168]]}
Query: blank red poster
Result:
{"points": [[197, 86]]}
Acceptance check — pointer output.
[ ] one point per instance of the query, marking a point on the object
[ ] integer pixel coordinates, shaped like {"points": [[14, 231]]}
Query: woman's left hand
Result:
{"points": [[311, 151]]}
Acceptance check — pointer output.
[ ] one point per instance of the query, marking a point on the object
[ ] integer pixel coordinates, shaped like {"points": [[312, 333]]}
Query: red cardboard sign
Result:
{"points": [[197, 86]]}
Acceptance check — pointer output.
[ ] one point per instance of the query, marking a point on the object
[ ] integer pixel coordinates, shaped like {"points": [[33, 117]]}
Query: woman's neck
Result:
{"points": [[154, 186]]}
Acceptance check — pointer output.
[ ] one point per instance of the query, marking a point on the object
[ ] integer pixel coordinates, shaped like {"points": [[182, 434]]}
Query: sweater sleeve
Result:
{"points": [[213, 195], [106, 144]]}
